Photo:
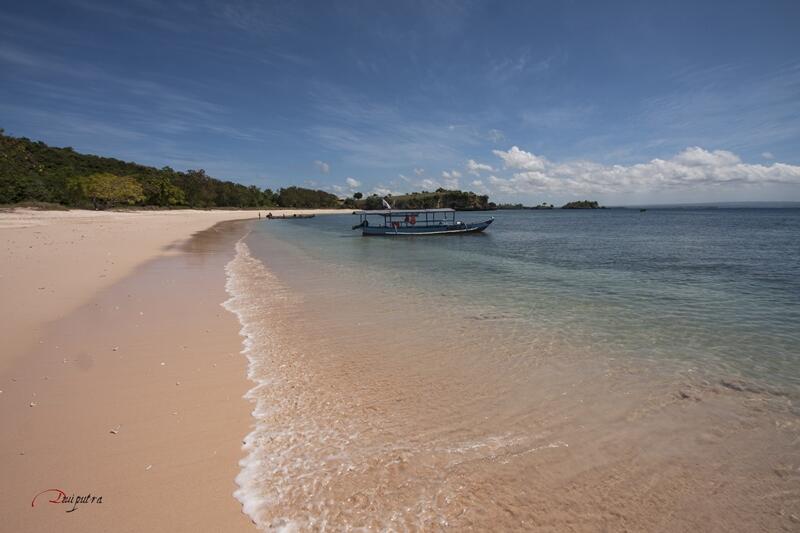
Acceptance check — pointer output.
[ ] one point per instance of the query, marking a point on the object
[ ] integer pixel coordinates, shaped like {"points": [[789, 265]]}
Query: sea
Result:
{"points": [[566, 370]]}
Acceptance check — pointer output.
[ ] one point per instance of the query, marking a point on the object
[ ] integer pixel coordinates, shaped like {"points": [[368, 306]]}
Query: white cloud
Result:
{"points": [[697, 157], [479, 186], [322, 166], [383, 191], [502, 185], [475, 168], [351, 184], [767, 155], [691, 168], [520, 159], [419, 171], [450, 179], [428, 185]]}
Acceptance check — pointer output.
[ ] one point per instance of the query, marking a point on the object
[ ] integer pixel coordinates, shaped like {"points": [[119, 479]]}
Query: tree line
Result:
{"points": [[455, 199], [32, 171]]}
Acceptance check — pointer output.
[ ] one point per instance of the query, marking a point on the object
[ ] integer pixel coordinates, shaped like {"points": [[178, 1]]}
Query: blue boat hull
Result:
{"points": [[408, 231]]}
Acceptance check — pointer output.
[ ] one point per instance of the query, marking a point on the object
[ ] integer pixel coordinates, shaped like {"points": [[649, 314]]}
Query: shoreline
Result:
{"points": [[470, 424], [135, 396], [53, 261], [124, 377]]}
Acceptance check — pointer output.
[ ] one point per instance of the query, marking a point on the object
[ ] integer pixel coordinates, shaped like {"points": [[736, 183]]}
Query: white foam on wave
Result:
{"points": [[243, 272]]}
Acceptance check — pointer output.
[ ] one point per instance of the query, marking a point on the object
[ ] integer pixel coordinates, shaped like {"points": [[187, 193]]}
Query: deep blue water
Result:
{"points": [[715, 288]]}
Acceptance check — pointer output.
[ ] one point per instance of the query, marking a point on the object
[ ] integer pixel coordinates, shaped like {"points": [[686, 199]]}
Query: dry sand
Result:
{"points": [[52, 261], [120, 371]]}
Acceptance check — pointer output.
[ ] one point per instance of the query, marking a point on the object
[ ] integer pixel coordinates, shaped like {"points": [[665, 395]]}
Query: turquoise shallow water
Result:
{"points": [[566, 370], [717, 288]]}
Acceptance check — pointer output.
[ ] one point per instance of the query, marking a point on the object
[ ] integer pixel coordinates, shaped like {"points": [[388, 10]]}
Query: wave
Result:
{"points": [[245, 274], [385, 416]]}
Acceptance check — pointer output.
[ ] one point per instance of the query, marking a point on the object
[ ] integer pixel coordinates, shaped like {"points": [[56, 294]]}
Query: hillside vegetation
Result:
{"points": [[32, 171]]}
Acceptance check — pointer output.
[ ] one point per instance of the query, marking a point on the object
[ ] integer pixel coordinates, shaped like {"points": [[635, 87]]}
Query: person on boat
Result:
{"points": [[269, 215]]}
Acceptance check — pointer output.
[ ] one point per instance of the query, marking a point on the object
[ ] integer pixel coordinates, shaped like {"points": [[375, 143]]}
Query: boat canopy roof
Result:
{"points": [[403, 212]]}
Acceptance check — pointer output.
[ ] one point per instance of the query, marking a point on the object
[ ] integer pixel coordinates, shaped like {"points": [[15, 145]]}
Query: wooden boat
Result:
{"points": [[273, 217], [408, 222]]}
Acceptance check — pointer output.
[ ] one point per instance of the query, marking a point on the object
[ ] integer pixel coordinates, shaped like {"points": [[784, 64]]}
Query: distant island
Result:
{"points": [[543, 205], [582, 204], [440, 198], [37, 174]]}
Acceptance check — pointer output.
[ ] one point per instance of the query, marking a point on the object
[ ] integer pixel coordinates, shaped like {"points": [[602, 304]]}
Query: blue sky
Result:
{"points": [[624, 102]]}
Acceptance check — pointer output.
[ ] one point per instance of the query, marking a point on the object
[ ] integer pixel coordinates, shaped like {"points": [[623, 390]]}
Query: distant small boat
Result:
{"points": [[642, 210], [406, 222], [273, 217]]}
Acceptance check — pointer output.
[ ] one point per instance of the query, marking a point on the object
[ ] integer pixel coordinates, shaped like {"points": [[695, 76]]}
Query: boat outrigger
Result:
{"points": [[405, 222]]}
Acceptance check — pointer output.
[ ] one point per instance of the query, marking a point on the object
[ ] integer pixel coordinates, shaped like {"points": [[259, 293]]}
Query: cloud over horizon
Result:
{"points": [[247, 90], [475, 168], [692, 168]]}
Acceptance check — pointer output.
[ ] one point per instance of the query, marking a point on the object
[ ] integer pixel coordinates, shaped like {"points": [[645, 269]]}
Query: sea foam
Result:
{"points": [[244, 273]]}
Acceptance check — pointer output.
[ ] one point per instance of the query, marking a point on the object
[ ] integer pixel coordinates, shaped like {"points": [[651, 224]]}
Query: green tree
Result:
{"points": [[159, 190], [270, 198], [105, 189], [308, 198], [357, 196]]}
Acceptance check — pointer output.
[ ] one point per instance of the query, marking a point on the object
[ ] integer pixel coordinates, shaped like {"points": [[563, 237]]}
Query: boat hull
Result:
{"points": [[411, 231]]}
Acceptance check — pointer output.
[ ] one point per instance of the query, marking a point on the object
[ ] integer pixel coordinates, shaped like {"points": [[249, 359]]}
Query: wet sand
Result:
{"points": [[53, 261], [402, 410], [135, 397], [120, 373]]}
